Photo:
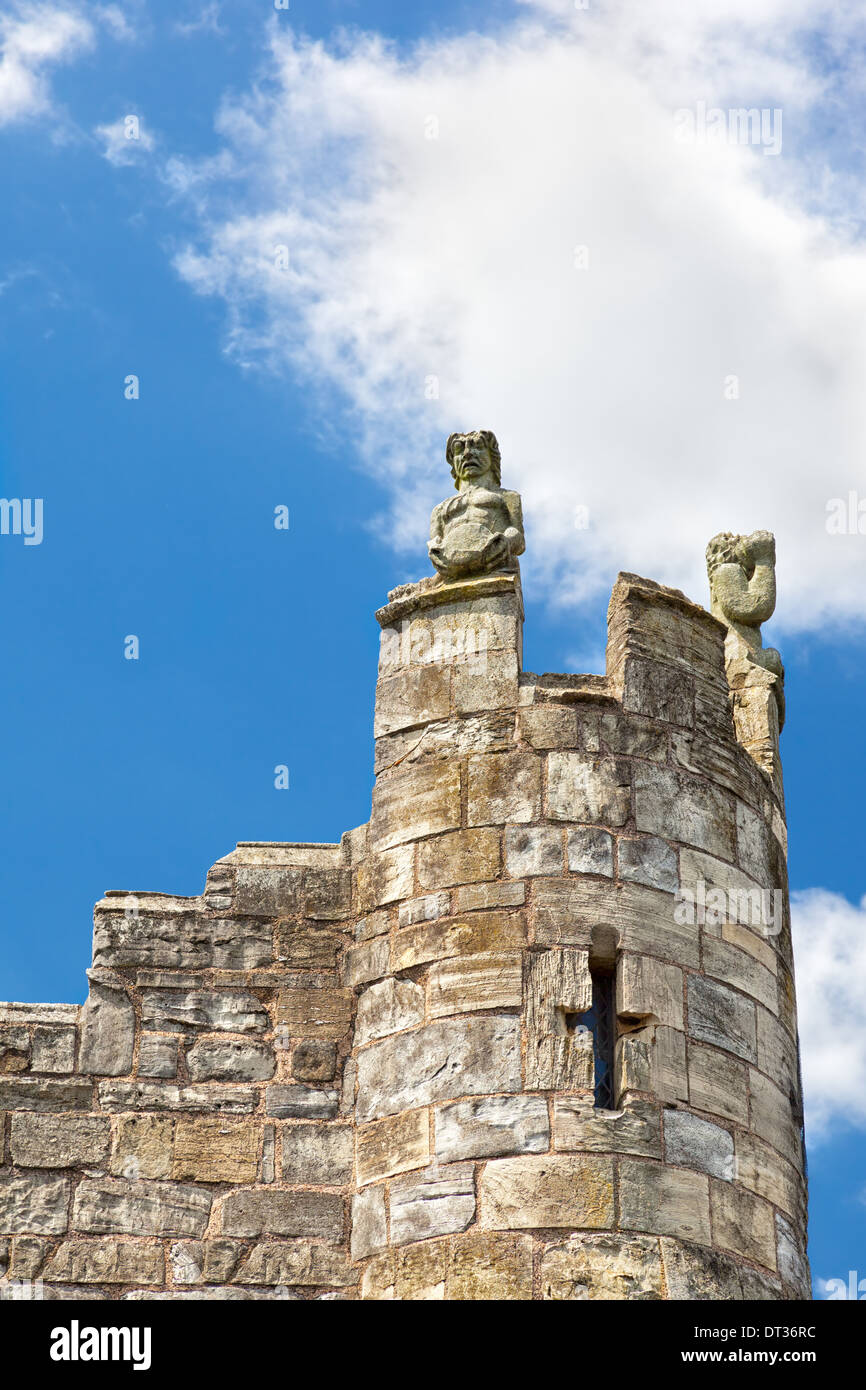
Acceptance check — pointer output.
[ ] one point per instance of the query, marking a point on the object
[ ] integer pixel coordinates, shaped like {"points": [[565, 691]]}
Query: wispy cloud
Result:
{"points": [[507, 231], [207, 20], [34, 38], [830, 953], [125, 140]]}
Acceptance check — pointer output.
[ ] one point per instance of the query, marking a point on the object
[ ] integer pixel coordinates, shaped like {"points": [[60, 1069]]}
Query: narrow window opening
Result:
{"points": [[600, 1021]]}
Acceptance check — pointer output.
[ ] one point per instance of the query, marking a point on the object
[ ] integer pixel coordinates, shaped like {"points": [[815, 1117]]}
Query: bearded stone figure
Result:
{"points": [[479, 531]]}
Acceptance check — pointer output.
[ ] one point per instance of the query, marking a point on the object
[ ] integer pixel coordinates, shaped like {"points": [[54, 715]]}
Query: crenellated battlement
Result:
{"points": [[528, 1033]]}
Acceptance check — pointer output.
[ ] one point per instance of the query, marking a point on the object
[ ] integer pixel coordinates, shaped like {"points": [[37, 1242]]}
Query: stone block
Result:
{"points": [[412, 802], [426, 909], [315, 1013], [142, 1146], [59, 1141], [721, 1016], [220, 1260], [717, 1083], [773, 1116], [34, 1093], [743, 1223], [698, 1274], [113, 1206], [632, 735], [459, 856], [659, 691], [35, 1204], [157, 1056], [474, 934], [384, 878], [535, 851], [644, 919], [492, 1127], [545, 1191], [747, 940], [755, 853], [14, 1050], [53, 1050], [365, 962], [297, 1262], [393, 1145], [680, 807], [739, 968], [558, 983], [485, 682], [759, 1168], [321, 893], [441, 1061], [227, 1059], [310, 1214], [647, 859], [473, 983], [369, 1227], [27, 1256], [666, 1201], [590, 851], [413, 696], [504, 788], [695, 1143], [650, 988], [105, 1261], [154, 1095], [181, 941], [373, 925], [473, 897], [307, 945], [301, 1102], [435, 1202], [488, 1266], [388, 1008], [652, 1059], [582, 788], [230, 1011], [791, 1260], [315, 1060], [107, 1031], [549, 726], [602, 1267], [317, 1154], [578, 1125], [216, 1150]]}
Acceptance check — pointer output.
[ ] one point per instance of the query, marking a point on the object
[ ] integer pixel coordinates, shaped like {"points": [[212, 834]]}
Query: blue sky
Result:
{"points": [[410, 258]]}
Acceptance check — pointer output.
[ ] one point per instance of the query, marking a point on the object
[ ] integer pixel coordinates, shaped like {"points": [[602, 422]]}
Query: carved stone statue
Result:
{"points": [[481, 529], [742, 574]]}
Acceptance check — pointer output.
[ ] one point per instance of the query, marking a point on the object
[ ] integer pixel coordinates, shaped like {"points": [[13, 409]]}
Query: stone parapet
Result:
{"points": [[363, 1069]]}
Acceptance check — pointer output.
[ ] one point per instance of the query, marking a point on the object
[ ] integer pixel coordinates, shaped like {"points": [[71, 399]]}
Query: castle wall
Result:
{"points": [[358, 1069]]}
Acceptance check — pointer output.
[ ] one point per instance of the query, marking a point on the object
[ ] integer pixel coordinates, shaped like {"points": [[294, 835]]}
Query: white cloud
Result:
{"points": [[830, 955], [207, 20], [33, 39], [125, 139], [453, 258]]}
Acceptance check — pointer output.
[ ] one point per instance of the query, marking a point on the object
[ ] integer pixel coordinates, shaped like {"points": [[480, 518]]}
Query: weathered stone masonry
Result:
{"points": [[350, 1070]]}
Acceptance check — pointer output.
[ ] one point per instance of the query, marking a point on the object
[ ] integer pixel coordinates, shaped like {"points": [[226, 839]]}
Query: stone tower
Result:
{"points": [[529, 1033]]}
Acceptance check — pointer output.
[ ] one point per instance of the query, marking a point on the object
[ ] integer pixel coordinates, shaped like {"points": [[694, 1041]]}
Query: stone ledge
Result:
{"points": [[416, 598]]}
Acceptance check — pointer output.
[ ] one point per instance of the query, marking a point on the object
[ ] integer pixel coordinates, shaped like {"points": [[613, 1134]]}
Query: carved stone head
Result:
{"points": [[472, 455]]}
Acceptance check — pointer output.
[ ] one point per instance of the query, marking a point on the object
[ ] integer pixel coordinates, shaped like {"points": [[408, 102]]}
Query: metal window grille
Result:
{"points": [[600, 1020]]}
